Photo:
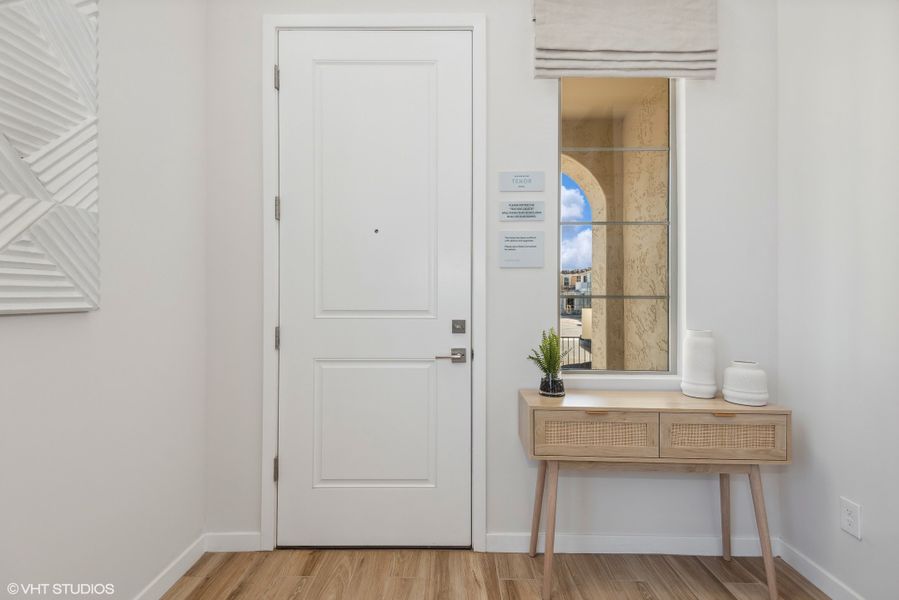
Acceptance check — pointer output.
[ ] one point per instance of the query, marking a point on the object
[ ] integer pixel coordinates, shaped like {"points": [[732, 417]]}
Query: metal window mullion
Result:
{"points": [[585, 223], [615, 149], [612, 297]]}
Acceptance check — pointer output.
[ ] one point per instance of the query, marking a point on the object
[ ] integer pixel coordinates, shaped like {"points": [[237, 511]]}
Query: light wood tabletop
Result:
{"points": [[636, 401]]}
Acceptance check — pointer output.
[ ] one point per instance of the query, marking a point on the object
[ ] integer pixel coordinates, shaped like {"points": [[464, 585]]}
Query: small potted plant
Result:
{"points": [[548, 358]]}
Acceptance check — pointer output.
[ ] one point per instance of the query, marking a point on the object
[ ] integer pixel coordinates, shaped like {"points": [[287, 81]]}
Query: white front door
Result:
{"points": [[375, 175]]}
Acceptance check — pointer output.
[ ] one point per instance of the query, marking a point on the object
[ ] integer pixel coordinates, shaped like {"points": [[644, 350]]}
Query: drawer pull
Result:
{"points": [[597, 412], [725, 414]]}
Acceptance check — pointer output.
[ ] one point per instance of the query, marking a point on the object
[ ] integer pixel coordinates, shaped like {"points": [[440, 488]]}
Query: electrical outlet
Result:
{"points": [[850, 517]]}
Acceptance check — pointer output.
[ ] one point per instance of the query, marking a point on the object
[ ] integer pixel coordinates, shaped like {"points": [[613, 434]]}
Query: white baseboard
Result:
{"points": [[627, 544], [233, 541], [823, 579], [173, 572]]}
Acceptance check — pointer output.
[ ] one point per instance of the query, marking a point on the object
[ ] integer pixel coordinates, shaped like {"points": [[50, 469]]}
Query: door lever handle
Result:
{"points": [[457, 355]]}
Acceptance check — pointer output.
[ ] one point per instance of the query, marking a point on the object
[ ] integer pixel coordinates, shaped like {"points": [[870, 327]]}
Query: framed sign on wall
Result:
{"points": [[49, 194]]}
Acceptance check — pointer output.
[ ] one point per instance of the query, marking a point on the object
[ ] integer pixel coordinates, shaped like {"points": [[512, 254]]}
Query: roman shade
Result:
{"points": [[626, 38]]}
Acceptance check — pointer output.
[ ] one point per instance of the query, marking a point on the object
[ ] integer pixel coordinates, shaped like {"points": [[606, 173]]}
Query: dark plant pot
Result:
{"points": [[552, 386]]}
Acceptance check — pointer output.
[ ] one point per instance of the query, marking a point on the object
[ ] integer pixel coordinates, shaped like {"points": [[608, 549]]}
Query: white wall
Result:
{"points": [[102, 415], [731, 281], [839, 281]]}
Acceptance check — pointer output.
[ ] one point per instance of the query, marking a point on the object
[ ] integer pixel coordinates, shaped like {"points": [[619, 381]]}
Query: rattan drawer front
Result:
{"points": [[724, 436], [596, 433]]}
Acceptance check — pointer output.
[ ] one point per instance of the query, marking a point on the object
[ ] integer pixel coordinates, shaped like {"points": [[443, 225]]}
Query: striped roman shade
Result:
{"points": [[626, 38]]}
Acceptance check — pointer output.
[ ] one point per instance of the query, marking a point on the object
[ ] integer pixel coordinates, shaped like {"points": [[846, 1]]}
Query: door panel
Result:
{"points": [[376, 246], [374, 423], [375, 163]]}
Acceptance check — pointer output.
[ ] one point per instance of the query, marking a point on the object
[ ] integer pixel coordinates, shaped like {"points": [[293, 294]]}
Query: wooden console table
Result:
{"points": [[652, 431]]}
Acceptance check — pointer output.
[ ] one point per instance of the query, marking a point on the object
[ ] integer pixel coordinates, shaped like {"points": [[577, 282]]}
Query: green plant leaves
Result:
{"points": [[548, 356]]}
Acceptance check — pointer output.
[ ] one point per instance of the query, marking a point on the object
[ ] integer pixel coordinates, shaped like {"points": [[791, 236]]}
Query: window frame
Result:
{"points": [[673, 242]]}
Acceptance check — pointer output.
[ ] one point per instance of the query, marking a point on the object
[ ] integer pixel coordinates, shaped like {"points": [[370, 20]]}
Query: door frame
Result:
{"points": [[272, 25]]}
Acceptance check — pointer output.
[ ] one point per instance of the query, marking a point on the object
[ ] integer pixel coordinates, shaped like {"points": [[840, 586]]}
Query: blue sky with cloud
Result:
{"points": [[577, 240]]}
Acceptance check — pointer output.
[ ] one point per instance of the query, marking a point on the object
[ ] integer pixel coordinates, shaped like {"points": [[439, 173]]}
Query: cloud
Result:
{"points": [[574, 205], [577, 251]]}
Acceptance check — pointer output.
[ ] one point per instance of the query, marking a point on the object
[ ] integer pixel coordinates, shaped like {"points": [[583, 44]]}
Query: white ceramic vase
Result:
{"points": [[745, 383], [699, 364]]}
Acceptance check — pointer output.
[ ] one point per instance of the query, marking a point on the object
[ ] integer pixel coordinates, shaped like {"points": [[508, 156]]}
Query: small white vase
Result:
{"points": [[699, 364], [745, 383]]}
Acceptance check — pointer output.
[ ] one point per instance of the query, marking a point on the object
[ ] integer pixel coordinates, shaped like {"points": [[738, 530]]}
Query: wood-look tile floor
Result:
{"points": [[465, 575]]}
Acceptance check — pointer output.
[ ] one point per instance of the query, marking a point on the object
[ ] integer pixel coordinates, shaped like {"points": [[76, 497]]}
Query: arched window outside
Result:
{"points": [[580, 192]]}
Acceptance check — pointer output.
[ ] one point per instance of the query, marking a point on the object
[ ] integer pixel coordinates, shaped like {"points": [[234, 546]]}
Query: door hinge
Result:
{"points": [[277, 77], [275, 469], [277, 338], [277, 208]]}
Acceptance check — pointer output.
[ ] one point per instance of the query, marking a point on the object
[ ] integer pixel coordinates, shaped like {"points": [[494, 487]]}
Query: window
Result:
{"points": [[615, 311]]}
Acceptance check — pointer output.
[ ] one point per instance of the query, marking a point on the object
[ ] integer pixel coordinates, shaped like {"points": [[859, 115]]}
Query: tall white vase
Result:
{"points": [[699, 364]]}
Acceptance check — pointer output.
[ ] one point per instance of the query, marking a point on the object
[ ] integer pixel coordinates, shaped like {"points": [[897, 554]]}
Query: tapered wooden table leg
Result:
{"points": [[725, 515], [550, 528], [761, 520], [538, 506]]}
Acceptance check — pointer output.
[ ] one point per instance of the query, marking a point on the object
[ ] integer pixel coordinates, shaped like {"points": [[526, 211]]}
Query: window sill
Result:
{"points": [[622, 381]]}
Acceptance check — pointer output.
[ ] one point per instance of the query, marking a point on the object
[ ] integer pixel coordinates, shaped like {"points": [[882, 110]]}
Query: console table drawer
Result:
{"points": [[599, 433], [724, 436]]}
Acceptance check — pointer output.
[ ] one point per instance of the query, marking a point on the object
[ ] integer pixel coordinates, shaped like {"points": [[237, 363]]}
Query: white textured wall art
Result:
{"points": [[49, 251]]}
